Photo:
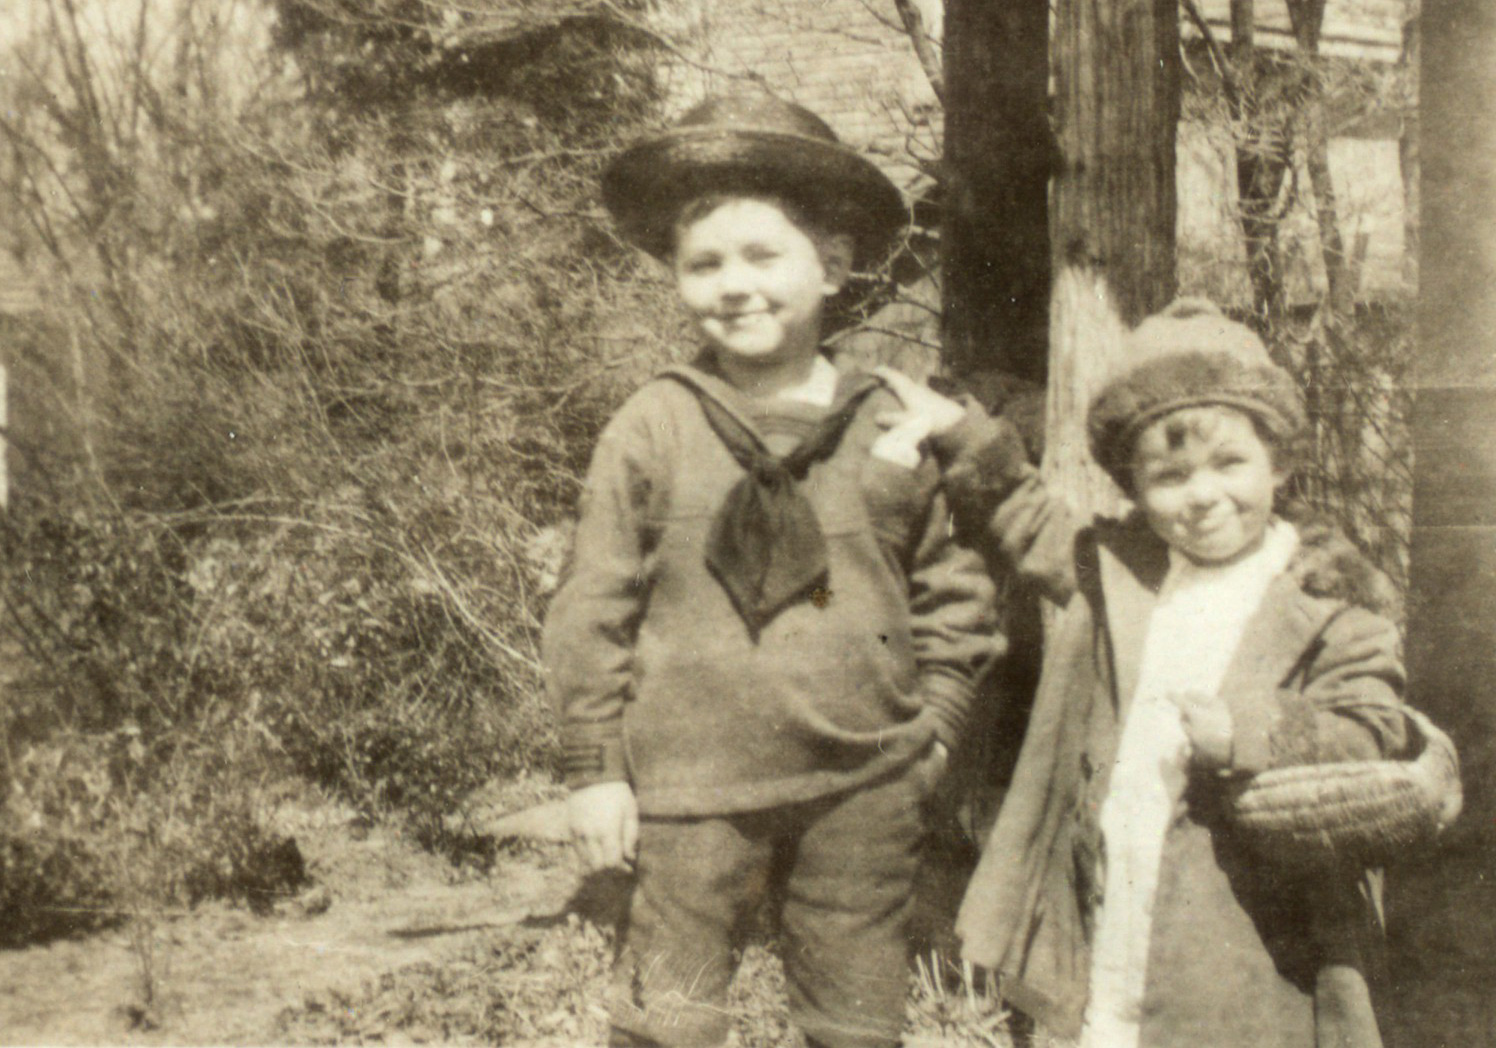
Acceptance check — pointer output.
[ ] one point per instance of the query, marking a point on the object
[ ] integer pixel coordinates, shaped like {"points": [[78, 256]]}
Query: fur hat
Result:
{"points": [[1187, 355], [756, 144]]}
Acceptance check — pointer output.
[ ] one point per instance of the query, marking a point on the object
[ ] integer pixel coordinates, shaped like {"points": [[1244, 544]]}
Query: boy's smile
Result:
{"points": [[756, 283], [1206, 485]]}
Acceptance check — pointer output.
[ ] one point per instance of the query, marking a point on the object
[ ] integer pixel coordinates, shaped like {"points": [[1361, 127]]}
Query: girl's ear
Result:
{"points": [[836, 260]]}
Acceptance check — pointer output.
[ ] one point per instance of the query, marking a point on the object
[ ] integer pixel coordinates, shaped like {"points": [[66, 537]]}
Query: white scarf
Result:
{"points": [[1193, 632]]}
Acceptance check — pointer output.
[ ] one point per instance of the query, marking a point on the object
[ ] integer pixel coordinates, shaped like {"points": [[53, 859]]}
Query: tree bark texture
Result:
{"points": [[999, 155], [1442, 904], [995, 263], [1116, 74]]}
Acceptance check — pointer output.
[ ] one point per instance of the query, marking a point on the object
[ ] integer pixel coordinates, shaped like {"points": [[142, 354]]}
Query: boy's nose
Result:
{"points": [[1203, 491], [734, 280]]}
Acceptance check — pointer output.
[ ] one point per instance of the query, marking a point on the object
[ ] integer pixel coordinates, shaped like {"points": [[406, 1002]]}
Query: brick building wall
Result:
{"points": [[849, 61]]}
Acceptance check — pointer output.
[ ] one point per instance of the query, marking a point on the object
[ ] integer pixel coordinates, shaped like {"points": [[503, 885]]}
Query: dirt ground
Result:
{"points": [[221, 975], [393, 945]]}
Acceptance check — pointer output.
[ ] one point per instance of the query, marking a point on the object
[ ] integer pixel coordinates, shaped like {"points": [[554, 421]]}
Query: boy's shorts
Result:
{"points": [[841, 870]]}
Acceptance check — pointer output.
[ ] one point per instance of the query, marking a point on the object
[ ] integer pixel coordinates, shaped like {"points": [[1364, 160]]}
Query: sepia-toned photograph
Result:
{"points": [[763, 523]]}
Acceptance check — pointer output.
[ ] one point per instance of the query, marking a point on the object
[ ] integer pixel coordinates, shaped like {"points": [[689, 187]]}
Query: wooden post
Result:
{"points": [[1442, 904], [999, 155], [1116, 75]]}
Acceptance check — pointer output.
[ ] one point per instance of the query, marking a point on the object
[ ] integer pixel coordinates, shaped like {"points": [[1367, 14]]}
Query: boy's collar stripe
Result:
{"points": [[850, 386]]}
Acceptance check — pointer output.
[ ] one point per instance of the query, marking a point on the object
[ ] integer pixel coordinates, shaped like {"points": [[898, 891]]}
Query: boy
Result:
{"points": [[766, 644], [1203, 639]]}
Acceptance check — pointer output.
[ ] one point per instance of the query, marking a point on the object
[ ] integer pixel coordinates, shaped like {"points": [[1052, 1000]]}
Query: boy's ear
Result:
{"points": [[836, 259]]}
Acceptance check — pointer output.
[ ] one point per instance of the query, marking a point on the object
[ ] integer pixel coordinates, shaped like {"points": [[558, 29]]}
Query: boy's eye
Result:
{"points": [[703, 264], [760, 255]]}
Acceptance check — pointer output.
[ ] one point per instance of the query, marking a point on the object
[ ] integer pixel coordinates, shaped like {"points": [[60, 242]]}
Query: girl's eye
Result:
{"points": [[698, 266], [761, 255]]}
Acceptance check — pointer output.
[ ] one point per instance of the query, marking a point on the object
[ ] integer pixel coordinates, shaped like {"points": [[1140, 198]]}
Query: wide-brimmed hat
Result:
{"points": [[1189, 354], [757, 144]]}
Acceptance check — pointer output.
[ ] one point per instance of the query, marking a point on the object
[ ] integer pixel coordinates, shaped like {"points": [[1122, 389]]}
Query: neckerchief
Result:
{"points": [[766, 548]]}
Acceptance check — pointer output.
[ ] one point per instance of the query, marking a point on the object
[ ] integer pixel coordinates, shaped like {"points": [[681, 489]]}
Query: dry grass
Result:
{"points": [[541, 984]]}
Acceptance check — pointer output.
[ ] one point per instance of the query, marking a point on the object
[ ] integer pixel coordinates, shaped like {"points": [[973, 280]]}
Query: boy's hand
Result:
{"points": [[605, 825], [926, 413], [1207, 723]]}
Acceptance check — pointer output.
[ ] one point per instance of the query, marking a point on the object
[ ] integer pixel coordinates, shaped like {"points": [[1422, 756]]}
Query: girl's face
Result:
{"points": [[755, 282], [1205, 481]]}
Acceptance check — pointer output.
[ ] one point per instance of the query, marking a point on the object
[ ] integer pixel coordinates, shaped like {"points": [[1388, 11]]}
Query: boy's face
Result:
{"points": [[1205, 481], [756, 283]]}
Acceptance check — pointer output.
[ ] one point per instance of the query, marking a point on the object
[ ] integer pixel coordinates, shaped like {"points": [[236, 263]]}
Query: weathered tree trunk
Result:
{"points": [[1307, 17], [1116, 74], [1442, 906], [999, 154], [999, 157], [1263, 156], [1407, 143]]}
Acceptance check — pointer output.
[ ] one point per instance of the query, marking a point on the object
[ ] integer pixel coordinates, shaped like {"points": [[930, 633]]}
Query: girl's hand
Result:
{"points": [[1207, 723], [926, 413]]}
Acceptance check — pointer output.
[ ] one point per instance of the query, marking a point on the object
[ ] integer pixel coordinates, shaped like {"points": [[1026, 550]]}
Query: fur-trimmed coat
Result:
{"points": [[1246, 948]]}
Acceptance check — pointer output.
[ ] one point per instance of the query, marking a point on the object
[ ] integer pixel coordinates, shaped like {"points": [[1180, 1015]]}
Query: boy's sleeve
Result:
{"points": [[588, 640], [1349, 708], [1001, 506], [952, 611]]}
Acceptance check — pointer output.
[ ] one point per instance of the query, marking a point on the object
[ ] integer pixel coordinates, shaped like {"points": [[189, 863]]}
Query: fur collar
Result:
{"points": [[1329, 566]]}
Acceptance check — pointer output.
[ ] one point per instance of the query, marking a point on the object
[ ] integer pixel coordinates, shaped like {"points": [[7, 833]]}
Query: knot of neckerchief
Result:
{"points": [[766, 548]]}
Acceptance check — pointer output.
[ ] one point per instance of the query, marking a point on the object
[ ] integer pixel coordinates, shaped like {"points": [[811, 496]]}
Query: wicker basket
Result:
{"points": [[1358, 812]]}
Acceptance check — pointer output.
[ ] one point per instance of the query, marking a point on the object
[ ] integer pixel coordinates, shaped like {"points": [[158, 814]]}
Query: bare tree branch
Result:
{"points": [[924, 50], [1229, 86]]}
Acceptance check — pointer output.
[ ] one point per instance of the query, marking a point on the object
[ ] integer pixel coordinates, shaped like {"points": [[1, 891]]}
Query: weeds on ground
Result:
{"points": [[534, 985], [953, 1004], [544, 984], [283, 431], [95, 830]]}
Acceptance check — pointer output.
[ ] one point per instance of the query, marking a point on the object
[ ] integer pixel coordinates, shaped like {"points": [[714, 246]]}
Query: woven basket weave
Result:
{"points": [[1361, 812]]}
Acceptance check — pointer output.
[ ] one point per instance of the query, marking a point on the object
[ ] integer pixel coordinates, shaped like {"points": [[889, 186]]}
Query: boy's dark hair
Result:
{"points": [[813, 222]]}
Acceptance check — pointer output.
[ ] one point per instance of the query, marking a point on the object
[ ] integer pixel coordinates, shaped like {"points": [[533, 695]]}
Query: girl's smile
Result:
{"points": [[1206, 483]]}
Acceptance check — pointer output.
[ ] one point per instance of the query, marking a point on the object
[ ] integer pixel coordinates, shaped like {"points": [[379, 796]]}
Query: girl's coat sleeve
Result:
{"points": [[1347, 705], [1001, 506]]}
